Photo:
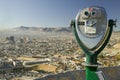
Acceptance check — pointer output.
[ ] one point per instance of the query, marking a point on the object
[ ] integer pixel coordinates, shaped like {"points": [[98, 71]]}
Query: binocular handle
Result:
{"points": [[114, 22]]}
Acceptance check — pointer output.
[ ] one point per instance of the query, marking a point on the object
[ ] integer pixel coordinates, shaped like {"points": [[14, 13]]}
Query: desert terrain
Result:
{"points": [[30, 53]]}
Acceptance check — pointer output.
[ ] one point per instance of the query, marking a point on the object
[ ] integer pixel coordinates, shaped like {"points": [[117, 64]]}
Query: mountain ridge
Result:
{"points": [[45, 29]]}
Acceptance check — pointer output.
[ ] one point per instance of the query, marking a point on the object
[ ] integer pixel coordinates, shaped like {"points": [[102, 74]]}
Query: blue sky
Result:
{"points": [[49, 13]]}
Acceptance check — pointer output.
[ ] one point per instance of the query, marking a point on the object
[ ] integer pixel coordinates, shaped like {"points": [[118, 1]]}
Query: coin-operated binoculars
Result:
{"points": [[92, 32]]}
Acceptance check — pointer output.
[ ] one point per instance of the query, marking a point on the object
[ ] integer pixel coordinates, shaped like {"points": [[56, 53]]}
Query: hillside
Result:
{"points": [[46, 51]]}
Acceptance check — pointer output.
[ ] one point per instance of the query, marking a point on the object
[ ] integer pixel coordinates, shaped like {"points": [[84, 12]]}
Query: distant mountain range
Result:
{"points": [[41, 29], [36, 32]]}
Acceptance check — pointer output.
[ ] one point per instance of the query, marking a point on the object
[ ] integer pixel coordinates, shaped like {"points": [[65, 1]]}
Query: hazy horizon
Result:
{"points": [[46, 13]]}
